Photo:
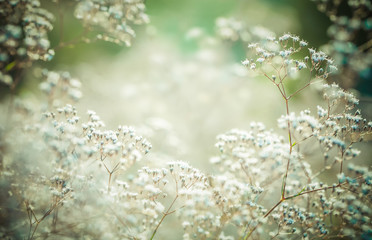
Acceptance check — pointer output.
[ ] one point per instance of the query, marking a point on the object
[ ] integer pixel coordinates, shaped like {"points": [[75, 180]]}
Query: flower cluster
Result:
{"points": [[113, 17], [147, 194], [57, 85], [25, 25], [275, 57], [231, 29], [332, 127], [113, 150], [23, 37], [228, 202], [350, 33], [71, 143], [249, 154], [329, 208], [336, 129]]}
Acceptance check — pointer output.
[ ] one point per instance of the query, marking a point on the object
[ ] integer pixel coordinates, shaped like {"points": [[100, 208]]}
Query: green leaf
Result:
{"points": [[10, 66]]}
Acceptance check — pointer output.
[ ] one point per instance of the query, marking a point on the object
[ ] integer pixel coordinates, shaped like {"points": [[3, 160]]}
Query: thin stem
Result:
{"points": [[290, 150], [282, 91], [267, 214], [109, 182], [246, 173], [277, 233], [365, 46], [110, 172], [318, 189], [38, 221], [290, 197], [357, 193], [164, 215], [275, 206], [269, 78], [55, 218], [115, 168], [276, 84], [30, 221], [302, 140], [299, 90], [342, 156], [250, 233], [119, 219], [32, 235]]}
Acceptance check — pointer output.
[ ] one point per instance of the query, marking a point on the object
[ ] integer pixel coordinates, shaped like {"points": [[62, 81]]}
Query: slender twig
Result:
{"points": [[365, 46], [168, 212], [278, 231], [246, 173], [299, 90], [301, 193], [290, 150], [110, 172], [38, 221], [342, 156]]}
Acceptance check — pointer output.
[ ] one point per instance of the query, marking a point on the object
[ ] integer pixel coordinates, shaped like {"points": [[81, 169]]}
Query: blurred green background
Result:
{"points": [[172, 19], [178, 92]]}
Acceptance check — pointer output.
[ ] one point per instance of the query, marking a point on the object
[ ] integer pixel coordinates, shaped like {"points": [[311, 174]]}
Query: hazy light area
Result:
{"points": [[180, 84], [118, 113], [181, 103]]}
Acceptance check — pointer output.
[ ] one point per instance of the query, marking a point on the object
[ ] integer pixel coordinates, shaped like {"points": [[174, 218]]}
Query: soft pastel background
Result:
{"points": [[179, 84]]}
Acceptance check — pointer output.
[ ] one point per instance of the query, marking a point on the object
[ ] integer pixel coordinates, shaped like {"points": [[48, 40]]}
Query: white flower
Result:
{"points": [[245, 62]]}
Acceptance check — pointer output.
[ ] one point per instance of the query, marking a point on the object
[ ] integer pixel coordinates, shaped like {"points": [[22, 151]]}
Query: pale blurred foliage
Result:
{"points": [[182, 102]]}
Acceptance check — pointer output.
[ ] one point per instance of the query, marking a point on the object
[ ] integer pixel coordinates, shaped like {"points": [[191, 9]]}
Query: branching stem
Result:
{"points": [[168, 212]]}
